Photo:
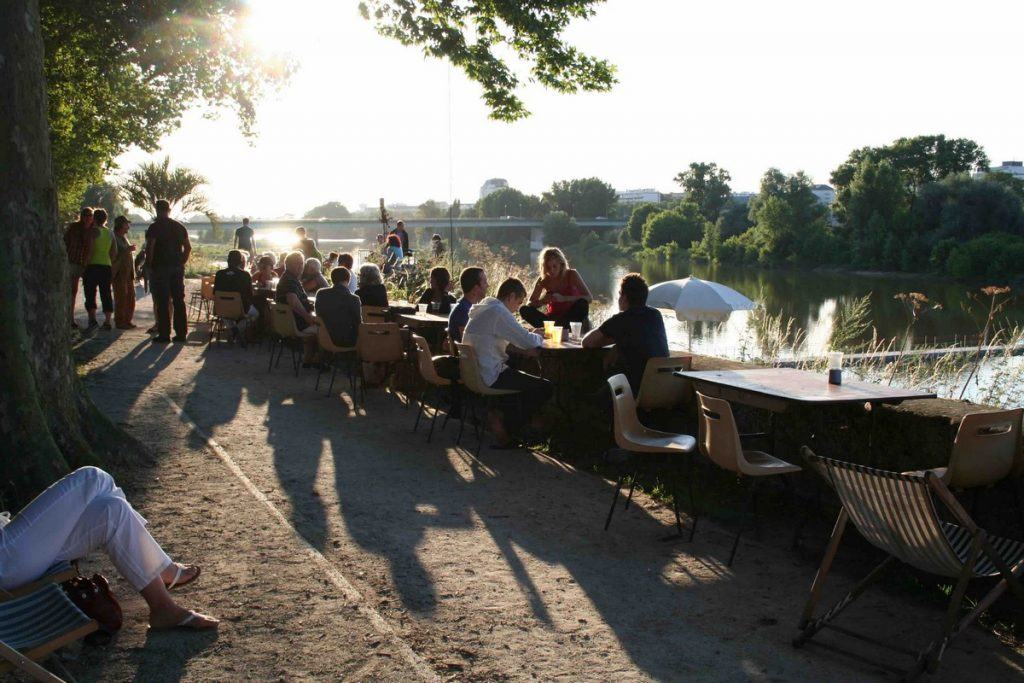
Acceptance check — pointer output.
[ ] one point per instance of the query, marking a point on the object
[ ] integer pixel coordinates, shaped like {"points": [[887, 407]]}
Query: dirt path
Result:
{"points": [[479, 569]]}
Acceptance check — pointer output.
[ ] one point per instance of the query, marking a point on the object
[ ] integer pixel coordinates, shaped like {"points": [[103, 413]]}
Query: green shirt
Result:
{"points": [[101, 248]]}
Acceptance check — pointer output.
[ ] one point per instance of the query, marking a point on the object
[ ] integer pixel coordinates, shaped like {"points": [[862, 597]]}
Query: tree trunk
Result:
{"points": [[47, 423]]}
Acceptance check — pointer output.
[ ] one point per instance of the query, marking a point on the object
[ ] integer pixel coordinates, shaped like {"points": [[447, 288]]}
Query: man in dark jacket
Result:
{"points": [[338, 308], [235, 278]]}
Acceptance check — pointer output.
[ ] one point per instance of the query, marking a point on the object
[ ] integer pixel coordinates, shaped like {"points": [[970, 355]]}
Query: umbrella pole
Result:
{"points": [[689, 336]]}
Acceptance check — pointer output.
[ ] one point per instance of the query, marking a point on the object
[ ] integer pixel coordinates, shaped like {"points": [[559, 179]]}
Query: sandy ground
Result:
{"points": [[415, 560]]}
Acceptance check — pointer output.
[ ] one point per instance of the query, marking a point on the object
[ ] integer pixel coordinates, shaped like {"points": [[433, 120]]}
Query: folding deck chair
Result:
{"points": [[37, 619], [896, 513]]}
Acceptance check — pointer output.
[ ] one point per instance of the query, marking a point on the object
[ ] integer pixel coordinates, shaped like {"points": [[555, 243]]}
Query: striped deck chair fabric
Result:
{"points": [[896, 513], [40, 622]]}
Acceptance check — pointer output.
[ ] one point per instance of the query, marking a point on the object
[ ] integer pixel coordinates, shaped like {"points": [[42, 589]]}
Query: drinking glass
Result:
{"points": [[577, 330], [421, 308], [549, 328]]}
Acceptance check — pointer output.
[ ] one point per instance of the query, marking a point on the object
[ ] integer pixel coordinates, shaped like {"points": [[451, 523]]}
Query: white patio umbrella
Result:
{"points": [[695, 300]]}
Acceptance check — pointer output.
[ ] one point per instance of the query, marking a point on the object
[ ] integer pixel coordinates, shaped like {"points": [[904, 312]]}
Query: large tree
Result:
{"points": [[141, 64], [581, 197], [707, 186], [331, 210], [508, 201]]}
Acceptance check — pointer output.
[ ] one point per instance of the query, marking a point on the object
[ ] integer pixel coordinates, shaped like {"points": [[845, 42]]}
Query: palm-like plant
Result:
{"points": [[154, 180]]}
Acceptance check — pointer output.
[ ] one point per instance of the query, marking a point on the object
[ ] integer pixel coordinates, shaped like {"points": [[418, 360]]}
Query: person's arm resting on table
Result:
{"points": [[299, 309], [517, 335], [596, 339]]}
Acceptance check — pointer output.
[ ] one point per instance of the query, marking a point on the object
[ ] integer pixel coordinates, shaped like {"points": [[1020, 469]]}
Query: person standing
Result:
{"points": [[78, 237], [98, 270], [167, 251], [123, 276], [402, 235], [306, 245], [245, 239]]}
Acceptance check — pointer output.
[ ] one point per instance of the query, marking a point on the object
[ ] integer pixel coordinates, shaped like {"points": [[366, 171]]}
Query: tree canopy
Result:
{"points": [[329, 210], [477, 36], [509, 201], [582, 197], [682, 225], [432, 209], [707, 186]]}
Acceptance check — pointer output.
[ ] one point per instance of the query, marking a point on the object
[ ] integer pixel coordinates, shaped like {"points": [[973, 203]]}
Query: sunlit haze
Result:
{"points": [[745, 84]]}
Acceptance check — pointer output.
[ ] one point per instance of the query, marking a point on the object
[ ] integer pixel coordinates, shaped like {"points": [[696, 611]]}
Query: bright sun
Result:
{"points": [[274, 26]]}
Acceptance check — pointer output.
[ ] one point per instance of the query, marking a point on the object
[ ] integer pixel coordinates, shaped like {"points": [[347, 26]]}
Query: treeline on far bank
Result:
{"points": [[922, 204]]}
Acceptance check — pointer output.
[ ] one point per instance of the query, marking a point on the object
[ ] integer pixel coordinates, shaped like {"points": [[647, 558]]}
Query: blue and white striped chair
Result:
{"points": [[897, 514], [36, 620]]}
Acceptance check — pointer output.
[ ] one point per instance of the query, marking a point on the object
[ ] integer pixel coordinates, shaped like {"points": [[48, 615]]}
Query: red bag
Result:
{"points": [[94, 597]]}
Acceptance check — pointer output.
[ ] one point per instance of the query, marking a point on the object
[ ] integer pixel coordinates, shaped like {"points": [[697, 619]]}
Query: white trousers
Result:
{"points": [[83, 511]]}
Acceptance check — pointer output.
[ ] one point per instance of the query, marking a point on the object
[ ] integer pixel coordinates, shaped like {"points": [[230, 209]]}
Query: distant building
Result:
{"points": [[1014, 168], [638, 196], [492, 185], [825, 194]]}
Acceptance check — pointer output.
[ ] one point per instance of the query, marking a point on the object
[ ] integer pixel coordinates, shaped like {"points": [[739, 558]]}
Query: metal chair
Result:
{"points": [[633, 437], [334, 353], [203, 298], [659, 387], [286, 333], [36, 620], [425, 363], [469, 374], [897, 514], [720, 443]]}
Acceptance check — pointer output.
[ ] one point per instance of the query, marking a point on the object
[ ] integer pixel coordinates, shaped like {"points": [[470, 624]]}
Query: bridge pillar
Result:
{"points": [[536, 238]]}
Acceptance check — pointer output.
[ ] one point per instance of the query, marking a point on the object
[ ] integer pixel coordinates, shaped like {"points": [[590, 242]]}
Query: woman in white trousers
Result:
{"points": [[84, 511]]}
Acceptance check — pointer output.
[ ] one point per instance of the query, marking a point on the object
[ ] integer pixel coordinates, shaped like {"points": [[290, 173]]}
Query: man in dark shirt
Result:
{"points": [[245, 238], [402, 235], [167, 251], [338, 308], [235, 278], [473, 281], [638, 331], [290, 291], [305, 245]]}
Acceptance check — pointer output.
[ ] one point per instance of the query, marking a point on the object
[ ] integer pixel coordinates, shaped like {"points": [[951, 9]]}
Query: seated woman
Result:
{"points": [[312, 277], [438, 296], [491, 329], [371, 291], [264, 274], [560, 290], [84, 511], [279, 268]]}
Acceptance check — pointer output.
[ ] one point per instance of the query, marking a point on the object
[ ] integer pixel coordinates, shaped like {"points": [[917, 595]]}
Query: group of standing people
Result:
{"points": [[103, 260]]}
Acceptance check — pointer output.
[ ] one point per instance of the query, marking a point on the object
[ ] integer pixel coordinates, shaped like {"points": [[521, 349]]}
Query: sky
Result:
{"points": [[747, 84]]}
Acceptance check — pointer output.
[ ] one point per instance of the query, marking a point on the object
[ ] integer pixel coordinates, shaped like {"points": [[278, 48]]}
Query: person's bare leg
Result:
{"points": [[188, 572], [165, 613]]}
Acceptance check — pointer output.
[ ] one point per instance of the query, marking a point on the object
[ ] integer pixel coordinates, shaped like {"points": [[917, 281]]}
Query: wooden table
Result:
{"points": [[777, 389], [423, 320]]}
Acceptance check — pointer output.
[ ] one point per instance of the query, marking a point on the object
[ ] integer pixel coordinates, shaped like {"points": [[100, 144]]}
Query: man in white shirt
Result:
{"points": [[491, 328], [346, 261]]}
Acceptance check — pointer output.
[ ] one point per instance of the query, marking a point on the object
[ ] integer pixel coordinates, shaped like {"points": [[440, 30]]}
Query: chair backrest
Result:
{"points": [[469, 373], [379, 343], [894, 512], [425, 362], [282, 320], [660, 388], [624, 411], [374, 314], [206, 287], [718, 438], [987, 449], [228, 305], [323, 338]]}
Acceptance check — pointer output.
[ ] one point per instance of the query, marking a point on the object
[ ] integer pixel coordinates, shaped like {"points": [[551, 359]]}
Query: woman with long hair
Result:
{"points": [[439, 295], [371, 291], [123, 276], [560, 290]]}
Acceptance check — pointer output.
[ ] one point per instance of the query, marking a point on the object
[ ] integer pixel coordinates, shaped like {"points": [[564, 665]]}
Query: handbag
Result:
{"points": [[93, 596]]}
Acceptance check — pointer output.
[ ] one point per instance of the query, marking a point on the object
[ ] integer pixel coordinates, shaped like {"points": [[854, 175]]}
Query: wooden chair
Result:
{"points": [[720, 442], [285, 333], [334, 354], [227, 313], [378, 343], [425, 363], [469, 374], [633, 437], [897, 514], [203, 298], [36, 620], [659, 387]]}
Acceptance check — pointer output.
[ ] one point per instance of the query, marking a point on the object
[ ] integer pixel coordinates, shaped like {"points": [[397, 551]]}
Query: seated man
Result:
{"points": [[638, 331], [346, 261], [235, 278], [473, 282], [492, 327], [338, 308], [290, 291]]}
